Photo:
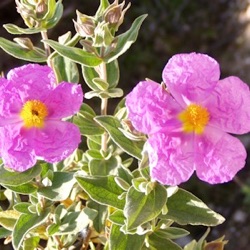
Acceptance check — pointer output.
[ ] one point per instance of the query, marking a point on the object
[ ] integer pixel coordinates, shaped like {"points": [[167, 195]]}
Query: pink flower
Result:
{"points": [[31, 113], [188, 129]]}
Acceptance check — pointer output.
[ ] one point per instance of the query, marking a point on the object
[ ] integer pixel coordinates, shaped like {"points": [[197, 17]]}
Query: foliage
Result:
{"points": [[98, 197]]}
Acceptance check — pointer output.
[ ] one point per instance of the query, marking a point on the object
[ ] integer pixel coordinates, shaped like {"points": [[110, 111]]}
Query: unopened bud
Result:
{"points": [[41, 8], [103, 36], [24, 42], [114, 14], [85, 25]]}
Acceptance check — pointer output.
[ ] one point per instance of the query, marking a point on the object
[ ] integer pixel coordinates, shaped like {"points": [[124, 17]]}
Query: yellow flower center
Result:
{"points": [[194, 118], [33, 114]]}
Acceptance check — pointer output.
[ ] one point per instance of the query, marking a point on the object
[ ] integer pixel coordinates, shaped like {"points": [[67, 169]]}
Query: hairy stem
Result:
{"points": [[44, 35], [104, 105]]}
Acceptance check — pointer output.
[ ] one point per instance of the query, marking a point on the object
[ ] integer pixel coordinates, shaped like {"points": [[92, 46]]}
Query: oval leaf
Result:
{"points": [[112, 125], [24, 224], [15, 50], [121, 241], [16, 178], [102, 189], [141, 208], [75, 54], [125, 40], [185, 208]]}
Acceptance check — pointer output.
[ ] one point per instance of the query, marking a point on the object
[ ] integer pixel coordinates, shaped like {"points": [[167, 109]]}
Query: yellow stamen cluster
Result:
{"points": [[194, 118], [34, 113]]}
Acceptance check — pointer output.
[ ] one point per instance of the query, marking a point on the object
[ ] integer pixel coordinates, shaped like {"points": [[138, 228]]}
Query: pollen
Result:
{"points": [[194, 118], [33, 114]]}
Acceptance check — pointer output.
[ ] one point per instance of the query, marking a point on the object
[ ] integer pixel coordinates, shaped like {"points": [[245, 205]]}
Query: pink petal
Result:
{"points": [[229, 106], [219, 156], [10, 104], [150, 108], [65, 100], [171, 157], [15, 149], [31, 81], [191, 77], [56, 141]]}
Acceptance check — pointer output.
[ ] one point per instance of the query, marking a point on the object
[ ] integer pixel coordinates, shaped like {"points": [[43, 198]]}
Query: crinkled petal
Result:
{"points": [[191, 77], [229, 106], [219, 156], [56, 141], [171, 157], [151, 107], [31, 81], [15, 149], [65, 100], [10, 104]]}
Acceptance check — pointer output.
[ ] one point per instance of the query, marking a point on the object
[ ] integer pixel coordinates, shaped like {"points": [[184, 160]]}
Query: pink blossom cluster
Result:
{"points": [[189, 121], [32, 109]]}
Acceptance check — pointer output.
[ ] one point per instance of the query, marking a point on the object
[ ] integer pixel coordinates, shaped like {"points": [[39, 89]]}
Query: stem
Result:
{"points": [[44, 35], [104, 105]]}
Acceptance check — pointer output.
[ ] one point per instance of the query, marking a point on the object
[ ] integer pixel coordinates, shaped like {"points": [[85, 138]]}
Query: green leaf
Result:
{"points": [[15, 50], [102, 189], [157, 243], [141, 208], [4, 233], [99, 221], [22, 207], [103, 167], [62, 185], [65, 70], [117, 218], [8, 219], [12, 178], [31, 243], [75, 54], [121, 241], [113, 75], [27, 188], [104, 4], [16, 30], [85, 121], [125, 40], [50, 23], [25, 223], [112, 125], [171, 233], [185, 208], [73, 223]]}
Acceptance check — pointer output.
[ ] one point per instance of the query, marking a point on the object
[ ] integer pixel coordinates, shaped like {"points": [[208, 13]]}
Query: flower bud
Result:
{"points": [[36, 13], [24, 42], [103, 36], [85, 25], [114, 14]]}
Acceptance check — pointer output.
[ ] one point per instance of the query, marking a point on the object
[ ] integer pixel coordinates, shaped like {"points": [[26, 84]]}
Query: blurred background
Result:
{"points": [[219, 28]]}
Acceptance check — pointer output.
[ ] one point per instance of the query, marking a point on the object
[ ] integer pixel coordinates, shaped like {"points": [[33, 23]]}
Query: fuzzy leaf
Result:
{"points": [[126, 39], [12, 178], [25, 223], [65, 70], [8, 218], [16, 30], [15, 50], [157, 243], [141, 208], [85, 121], [112, 125], [185, 208], [75, 54], [103, 167], [26, 188], [62, 184], [102, 189], [121, 241], [113, 74]]}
